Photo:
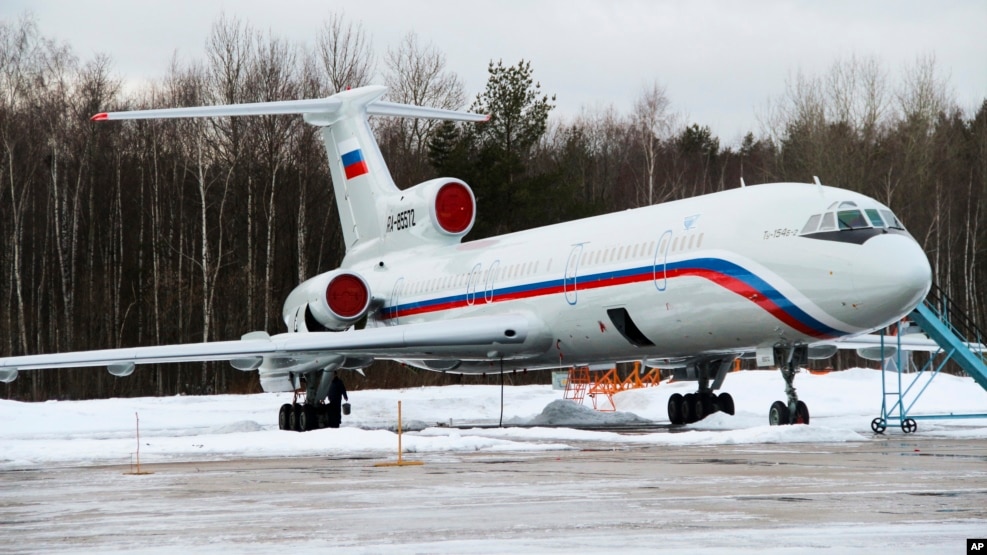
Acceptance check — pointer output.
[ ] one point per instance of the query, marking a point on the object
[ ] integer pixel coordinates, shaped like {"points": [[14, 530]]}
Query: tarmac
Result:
{"points": [[896, 493]]}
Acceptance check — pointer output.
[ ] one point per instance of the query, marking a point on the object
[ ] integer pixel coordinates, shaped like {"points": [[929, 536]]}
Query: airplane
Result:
{"points": [[783, 272]]}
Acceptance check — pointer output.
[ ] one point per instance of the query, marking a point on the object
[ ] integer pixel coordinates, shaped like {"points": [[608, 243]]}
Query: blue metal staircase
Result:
{"points": [[958, 337]]}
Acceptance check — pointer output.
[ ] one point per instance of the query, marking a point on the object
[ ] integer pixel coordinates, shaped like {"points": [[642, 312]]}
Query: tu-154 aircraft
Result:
{"points": [[784, 272]]}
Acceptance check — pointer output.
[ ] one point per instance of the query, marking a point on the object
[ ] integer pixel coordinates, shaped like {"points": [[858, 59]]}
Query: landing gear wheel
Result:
{"points": [[698, 412], [284, 418], [801, 413], [675, 403], [909, 425], [705, 405], [878, 425], [307, 419], [689, 408], [295, 418], [323, 416], [724, 401], [778, 414]]}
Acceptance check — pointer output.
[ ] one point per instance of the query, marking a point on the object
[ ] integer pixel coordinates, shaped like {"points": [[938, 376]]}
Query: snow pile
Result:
{"points": [[566, 413]]}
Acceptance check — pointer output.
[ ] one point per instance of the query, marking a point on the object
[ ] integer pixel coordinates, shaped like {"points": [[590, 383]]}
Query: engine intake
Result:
{"points": [[333, 301], [440, 210]]}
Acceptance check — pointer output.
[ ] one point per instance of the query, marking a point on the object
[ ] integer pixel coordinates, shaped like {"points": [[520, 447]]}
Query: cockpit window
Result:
{"points": [[812, 224], [850, 216], [875, 217], [851, 219], [891, 220]]}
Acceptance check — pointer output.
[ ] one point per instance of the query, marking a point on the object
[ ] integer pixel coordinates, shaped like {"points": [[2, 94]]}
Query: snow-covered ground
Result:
{"points": [[841, 404]]}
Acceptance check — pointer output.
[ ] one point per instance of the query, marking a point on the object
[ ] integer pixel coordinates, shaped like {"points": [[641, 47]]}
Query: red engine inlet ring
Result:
{"points": [[454, 207], [347, 296]]}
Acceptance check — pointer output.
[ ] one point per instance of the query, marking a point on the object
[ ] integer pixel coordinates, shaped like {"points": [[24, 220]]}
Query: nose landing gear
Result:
{"points": [[794, 411]]}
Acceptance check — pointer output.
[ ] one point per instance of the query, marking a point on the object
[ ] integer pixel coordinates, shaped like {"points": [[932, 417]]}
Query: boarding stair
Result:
{"points": [[960, 340]]}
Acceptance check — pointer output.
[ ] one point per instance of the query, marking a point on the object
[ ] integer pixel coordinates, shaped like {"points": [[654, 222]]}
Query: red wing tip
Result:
{"points": [[100, 117], [487, 118]]}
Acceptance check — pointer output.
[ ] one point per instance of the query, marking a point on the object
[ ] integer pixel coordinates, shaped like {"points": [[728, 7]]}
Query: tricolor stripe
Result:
{"points": [[728, 275], [354, 165]]}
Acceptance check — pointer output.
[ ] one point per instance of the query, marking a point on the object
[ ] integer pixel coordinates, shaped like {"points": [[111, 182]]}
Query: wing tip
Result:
{"points": [[102, 116]]}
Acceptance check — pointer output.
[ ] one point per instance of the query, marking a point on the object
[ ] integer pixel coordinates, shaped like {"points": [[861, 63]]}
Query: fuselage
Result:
{"points": [[730, 271]]}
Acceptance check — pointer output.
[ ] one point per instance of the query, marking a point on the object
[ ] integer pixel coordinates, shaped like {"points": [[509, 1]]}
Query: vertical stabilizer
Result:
{"points": [[360, 178]]}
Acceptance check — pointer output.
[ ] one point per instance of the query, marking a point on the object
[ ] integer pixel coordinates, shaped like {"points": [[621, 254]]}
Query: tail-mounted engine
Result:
{"points": [[440, 210], [333, 301]]}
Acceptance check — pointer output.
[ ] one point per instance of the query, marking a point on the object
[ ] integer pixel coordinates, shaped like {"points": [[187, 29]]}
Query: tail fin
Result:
{"points": [[360, 178]]}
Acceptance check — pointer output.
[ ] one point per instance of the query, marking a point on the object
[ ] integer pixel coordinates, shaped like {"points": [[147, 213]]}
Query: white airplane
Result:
{"points": [[780, 271]]}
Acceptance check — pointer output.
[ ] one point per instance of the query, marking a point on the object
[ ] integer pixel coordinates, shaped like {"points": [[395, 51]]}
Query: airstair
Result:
{"points": [[959, 338]]}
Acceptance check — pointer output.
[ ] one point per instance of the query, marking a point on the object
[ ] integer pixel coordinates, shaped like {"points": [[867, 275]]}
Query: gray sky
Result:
{"points": [[720, 62]]}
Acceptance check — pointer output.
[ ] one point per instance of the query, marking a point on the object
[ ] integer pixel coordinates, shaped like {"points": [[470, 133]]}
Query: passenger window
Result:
{"points": [[828, 222], [812, 224]]}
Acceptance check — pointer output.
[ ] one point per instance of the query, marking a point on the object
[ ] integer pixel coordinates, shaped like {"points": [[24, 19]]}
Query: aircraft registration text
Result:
{"points": [[401, 220]]}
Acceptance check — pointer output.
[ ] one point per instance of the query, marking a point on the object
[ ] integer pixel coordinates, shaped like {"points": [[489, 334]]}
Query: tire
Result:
{"points": [[284, 417], [675, 409], [909, 425], [323, 412], [706, 404], [701, 405], [878, 425], [307, 418], [689, 408], [778, 414], [801, 413], [295, 418], [724, 401]]}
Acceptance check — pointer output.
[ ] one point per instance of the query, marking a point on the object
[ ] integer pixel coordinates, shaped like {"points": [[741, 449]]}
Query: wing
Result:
{"points": [[474, 338]]}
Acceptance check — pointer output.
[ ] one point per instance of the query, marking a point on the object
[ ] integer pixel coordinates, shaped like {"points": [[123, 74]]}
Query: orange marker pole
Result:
{"points": [[399, 432]]}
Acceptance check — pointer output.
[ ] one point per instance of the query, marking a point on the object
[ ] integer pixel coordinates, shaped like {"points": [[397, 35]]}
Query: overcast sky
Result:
{"points": [[720, 62]]}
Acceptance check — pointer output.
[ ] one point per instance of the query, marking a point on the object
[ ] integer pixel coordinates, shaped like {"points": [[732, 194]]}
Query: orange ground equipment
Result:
{"points": [[601, 386]]}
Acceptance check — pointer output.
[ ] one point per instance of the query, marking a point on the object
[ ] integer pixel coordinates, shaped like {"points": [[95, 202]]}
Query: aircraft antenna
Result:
{"points": [[815, 178], [742, 184]]}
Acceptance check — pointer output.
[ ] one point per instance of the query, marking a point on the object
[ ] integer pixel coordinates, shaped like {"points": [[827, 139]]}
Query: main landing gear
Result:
{"points": [[308, 410], [794, 411], [303, 417], [693, 407]]}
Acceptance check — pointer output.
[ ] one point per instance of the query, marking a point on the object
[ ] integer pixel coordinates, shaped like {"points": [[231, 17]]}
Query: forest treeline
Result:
{"points": [[152, 232]]}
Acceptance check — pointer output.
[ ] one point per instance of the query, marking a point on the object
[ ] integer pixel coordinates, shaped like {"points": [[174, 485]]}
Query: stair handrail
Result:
{"points": [[955, 317]]}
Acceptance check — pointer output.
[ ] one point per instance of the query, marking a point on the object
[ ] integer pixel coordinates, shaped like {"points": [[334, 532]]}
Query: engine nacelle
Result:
{"points": [[333, 301], [442, 209], [8, 375]]}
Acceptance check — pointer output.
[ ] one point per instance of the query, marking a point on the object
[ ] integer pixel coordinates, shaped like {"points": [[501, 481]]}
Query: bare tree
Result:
{"points": [[416, 74], [273, 77], [346, 54], [652, 123]]}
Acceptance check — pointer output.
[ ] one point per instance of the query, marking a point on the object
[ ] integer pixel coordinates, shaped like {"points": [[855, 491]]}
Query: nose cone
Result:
{"points": [[891, 279]]}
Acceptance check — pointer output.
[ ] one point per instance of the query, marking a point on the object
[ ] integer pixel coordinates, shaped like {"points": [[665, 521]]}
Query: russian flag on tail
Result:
{"points": [[353, 162]]}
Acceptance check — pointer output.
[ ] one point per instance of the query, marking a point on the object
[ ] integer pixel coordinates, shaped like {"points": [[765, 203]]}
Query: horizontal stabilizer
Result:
{"points": [[310, 107]]}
